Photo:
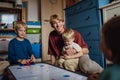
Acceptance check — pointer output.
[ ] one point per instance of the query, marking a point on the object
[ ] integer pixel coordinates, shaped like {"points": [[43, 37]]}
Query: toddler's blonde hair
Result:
{"points": [[68, 34]]}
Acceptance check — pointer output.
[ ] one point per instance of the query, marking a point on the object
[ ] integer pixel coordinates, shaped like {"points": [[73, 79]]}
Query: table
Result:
{"points": [[43, 71]]}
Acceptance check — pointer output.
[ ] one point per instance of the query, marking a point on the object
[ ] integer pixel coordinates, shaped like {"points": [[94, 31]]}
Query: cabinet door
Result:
{"points": [[111, 11]]}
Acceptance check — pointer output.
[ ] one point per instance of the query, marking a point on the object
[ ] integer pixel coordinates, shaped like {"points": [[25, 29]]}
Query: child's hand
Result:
{"points": [[28, 62], [22, 61], [32, 58]]}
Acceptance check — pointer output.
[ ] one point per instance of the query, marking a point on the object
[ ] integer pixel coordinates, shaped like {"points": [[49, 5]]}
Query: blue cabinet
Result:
{"points": [[85, 17]]}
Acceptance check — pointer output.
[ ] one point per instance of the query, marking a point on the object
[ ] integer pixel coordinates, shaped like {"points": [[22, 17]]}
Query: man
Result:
{"points": [[56, 42]]}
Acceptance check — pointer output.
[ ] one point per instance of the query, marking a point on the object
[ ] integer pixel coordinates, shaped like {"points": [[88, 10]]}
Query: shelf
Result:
{"points": [[7, 30], [7, 33], [7, 36], [7, 8], [10, 10], [17, 11], [3, 52]]}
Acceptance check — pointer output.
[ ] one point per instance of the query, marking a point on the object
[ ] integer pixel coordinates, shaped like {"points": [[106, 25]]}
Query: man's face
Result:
{"points": [[58, 25]]}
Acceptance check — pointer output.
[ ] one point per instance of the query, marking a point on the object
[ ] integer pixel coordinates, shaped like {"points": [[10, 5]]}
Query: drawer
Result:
{"points": [[111, 11], [86, 18], [94, 47], [89, 33], [80, 6], [33, 30]]}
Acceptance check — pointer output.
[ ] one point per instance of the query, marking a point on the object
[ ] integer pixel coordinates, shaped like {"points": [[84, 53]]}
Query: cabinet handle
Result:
{"points": [[115, 15], [89, 33], [87, 18], [89, 47]]}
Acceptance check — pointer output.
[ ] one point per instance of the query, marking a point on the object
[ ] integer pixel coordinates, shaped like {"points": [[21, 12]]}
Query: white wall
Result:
{"points": [[33, 11]]}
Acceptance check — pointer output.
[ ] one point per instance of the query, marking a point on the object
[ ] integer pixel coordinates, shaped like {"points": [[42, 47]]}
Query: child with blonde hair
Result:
{"points": [[84, 62], [19, 49]]}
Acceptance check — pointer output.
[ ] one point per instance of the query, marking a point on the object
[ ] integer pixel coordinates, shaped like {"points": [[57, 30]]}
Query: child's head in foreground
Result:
{"points": [[110, 41]]}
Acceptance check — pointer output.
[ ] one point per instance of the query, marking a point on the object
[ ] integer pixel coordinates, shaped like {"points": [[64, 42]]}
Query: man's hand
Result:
{"points": [[67, 57]]}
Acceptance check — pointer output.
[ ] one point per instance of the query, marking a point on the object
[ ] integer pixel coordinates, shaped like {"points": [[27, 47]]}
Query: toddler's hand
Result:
{"points": [[67, 57], [62, 57]]}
